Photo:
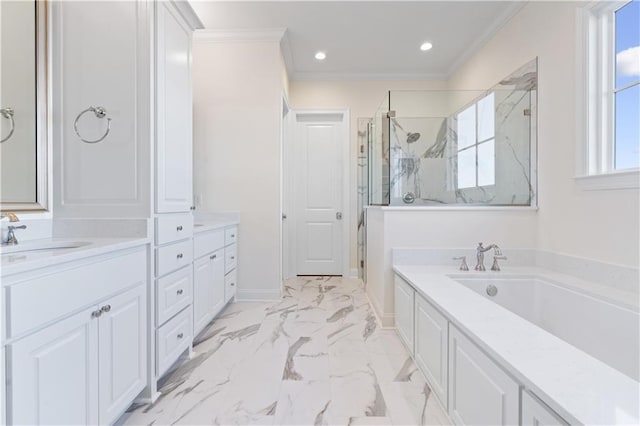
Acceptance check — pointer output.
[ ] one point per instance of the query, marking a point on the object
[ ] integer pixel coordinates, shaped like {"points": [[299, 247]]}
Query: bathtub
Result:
{"points": [[608, 331]]}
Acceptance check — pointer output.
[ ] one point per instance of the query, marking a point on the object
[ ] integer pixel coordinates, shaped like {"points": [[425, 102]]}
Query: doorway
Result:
{"points": [[317, 193]]}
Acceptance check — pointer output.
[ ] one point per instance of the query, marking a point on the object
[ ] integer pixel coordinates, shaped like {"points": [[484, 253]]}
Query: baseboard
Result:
{"points": [[384, 320], [257, 295]]}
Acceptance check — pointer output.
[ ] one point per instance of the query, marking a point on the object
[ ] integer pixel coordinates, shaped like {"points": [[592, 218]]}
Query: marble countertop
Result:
{"points": [[577, 386], [36, 257], [214, 221]]}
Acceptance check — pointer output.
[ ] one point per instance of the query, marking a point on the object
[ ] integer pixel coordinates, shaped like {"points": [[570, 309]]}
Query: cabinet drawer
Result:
{"points": [[230, 235], [207, 242], [55, 294], [230, 258], [172, 257], [230, 285], [173, 227], [172, 339], [173, 293]]}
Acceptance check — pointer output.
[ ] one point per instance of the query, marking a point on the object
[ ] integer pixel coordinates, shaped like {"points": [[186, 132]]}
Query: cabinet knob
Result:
{"points": [[180, 335], [213, 256], [179, 228], [180, 291], [233, 235], [96, 314], [105, 308], [233, 284], [233, 257], [180, 256]]}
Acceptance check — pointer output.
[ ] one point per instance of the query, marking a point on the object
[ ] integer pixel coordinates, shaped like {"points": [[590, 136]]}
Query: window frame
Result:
{"points": [[477, 143], [595, 163]]}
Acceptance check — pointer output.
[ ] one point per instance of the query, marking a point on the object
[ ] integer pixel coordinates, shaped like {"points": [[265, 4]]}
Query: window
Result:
{"points": [[609, 148], [626, 90], [476, 144]]}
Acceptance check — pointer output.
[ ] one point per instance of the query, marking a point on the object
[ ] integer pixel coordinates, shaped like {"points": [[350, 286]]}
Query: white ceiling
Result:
{"points": [[365, 39]]}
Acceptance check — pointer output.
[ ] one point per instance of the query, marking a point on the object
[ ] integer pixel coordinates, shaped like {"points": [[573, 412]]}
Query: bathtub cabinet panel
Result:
{"points": [[404, 300], [480, 392], [431, 340], [534, 413]]}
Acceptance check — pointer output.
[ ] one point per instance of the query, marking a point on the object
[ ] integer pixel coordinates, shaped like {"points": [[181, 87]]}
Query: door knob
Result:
{"points": [[339, 215]]}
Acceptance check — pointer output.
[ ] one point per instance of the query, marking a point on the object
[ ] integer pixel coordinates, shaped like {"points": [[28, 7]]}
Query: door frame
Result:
{"points": [[289, 173]]}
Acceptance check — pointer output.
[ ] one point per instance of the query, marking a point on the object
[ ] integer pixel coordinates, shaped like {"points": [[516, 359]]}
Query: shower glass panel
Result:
{"points": [[473, 147]]}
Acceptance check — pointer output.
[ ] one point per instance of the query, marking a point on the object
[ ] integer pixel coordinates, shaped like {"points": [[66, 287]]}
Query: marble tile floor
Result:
{"points": [[317, 357]]}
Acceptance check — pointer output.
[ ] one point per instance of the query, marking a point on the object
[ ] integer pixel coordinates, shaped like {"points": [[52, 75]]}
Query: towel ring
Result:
{"points": [[8, 113], [100, 112]]}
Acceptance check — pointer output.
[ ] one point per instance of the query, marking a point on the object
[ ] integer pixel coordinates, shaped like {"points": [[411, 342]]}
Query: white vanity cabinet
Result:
{"points": [[431, 344], [404, 300], [480, 392], [84, 364]]}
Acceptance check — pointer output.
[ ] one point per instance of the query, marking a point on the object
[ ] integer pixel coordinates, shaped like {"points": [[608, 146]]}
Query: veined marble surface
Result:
{"points": [[317, 357]]}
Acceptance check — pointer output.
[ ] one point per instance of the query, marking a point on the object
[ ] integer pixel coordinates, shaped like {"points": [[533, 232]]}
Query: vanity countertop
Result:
{"points": [[204, 224], [579, 387], [35, 257]]}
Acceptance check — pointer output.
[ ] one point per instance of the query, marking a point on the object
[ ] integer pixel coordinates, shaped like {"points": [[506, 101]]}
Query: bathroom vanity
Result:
{"points": [[74, 318]]}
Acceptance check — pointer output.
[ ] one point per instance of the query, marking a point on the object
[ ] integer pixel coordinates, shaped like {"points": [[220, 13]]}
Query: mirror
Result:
{"points": [[23, 105]]}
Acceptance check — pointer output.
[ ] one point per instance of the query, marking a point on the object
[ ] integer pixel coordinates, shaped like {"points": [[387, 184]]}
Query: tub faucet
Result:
{"points": [[480, 254]]}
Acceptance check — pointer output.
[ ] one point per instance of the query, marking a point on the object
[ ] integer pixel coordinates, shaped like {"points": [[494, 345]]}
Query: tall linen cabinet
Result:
{"points": [[133, 58]]}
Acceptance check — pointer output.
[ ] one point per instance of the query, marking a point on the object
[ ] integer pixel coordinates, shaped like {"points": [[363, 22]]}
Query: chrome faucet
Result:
{"points": [[480, 256], [11, 235]]}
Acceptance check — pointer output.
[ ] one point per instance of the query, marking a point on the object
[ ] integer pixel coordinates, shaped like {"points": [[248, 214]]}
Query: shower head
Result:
{"points": [[412, 137]]}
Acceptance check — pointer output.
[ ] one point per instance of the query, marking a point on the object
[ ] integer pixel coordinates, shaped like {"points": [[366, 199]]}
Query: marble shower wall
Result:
{"points": [[363, 190], [423, 145]]}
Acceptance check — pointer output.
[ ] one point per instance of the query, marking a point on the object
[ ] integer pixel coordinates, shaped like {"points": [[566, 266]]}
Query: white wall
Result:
{"points": [[600, 225], [361, 98], [237, 90]]}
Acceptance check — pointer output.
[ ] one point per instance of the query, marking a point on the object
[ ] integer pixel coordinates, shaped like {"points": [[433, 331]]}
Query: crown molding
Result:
{"points": [[484, 38], [365, 76], [287, 54], [267, 35], [188, 14]]}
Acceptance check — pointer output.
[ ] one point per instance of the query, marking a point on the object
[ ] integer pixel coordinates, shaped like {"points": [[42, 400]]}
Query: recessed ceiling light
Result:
{"points": [[321, 56], [426, 46]]}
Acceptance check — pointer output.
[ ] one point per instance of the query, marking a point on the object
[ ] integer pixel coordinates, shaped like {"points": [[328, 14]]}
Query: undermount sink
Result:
{"points": [[41, 245]]}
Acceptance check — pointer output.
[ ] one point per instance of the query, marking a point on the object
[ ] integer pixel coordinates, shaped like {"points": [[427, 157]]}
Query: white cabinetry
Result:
{"points": [[480, 392], [431, 340], [404, 300], [535, 413], [85, 365], [174, 110]]}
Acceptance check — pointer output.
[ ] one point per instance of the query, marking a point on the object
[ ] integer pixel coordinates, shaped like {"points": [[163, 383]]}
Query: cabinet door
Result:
{"points": [[217, 282], [123, 350], [404, 296], [535, 413], [53, 374], [174, 141], [101, 57], [431, 341], [202, 293], [480, 392]]}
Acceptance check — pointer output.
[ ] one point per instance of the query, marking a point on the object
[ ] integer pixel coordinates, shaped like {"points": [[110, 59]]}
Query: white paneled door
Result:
{"points": [[319, 139]]}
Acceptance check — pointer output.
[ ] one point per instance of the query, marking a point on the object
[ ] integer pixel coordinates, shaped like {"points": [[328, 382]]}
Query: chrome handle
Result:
{"points": [[213, 256], [339, 215], [179, 228], [180, 335], [105, 308], [180, 256], [11, 227], [180, 291], [96, 314]]}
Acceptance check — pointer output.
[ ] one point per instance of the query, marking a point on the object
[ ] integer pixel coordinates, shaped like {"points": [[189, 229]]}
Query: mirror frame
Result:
{"points": [[42, 116]]}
